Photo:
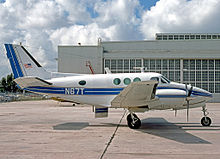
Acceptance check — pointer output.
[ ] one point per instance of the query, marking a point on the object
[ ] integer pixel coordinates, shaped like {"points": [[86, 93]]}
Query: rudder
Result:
{"points": [[23, 64]]}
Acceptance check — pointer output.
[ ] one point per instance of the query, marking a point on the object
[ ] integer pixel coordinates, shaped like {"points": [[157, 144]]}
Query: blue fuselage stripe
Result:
{"points": [[171, 88], [100, 91], [45, 91], [171, 96], [101, 110]]}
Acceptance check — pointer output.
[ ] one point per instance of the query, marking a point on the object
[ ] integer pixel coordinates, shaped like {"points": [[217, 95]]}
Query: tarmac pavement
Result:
{"points": [[48, 129]]}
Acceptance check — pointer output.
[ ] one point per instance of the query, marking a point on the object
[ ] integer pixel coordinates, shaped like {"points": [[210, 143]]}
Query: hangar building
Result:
{"points": [[186, 58]]}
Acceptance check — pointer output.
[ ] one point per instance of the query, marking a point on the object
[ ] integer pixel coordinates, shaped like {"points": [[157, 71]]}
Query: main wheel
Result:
{"points": [[133, 123], [129, 117], [206, 121]]}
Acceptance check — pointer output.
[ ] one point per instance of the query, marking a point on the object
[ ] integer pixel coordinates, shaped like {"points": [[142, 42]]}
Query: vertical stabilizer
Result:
{"points": [[23, 64]]}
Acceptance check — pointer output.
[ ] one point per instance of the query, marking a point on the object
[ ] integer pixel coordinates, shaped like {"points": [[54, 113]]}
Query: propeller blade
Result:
{"points": [[186, 90], [187, 111], [190, 91], [188, 94]]}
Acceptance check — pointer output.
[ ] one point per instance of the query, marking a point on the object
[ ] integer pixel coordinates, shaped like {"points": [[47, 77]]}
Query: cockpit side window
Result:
{"points": [[154, 79]]}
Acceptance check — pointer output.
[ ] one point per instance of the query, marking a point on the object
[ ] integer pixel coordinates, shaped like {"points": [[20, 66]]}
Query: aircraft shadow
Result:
{"points": [[154, 126], [71, 126], [162, 128]]}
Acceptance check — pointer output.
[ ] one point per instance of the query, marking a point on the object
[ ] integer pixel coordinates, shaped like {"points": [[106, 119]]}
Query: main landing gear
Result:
{"points": [[205, 121], [133, 121]]}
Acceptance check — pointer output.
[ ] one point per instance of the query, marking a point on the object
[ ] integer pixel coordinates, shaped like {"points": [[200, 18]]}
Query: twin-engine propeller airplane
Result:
{"points": [[137, 92]]}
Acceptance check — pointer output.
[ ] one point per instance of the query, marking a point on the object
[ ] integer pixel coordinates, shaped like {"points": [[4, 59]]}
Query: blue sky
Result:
{"points": [[147, 4], [43, 25]]}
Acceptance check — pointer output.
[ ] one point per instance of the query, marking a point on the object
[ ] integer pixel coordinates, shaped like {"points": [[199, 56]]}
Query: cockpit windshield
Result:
{"points": [[164, 80], [160, 79]]}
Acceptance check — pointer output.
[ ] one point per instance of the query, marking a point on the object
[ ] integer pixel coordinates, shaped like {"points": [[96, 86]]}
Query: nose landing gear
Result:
{"points": [[205, 121], [133, 121]]}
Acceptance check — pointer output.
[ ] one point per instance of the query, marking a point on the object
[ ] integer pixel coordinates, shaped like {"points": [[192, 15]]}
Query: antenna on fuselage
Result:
{"points": [[107, 70]]}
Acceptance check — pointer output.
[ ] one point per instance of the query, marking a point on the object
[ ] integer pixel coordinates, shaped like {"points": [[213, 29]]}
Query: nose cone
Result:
{"points": [[201, 92]]}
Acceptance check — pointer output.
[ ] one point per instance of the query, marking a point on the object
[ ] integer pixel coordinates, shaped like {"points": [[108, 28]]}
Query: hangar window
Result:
{"points": [[132, 65], [214, 36], [181, 37], [165, 66], [164, 37], [217, 76], [217, 64], [158, 64], [116, 81], [217, 88], [186, 37], [171, 64], [203, 36], [176, 37], [211, 64], [136, 79], [204, 75], [204, 64], [171, 75], [198, 64], [126, 64], [192, 36], [113, 64], [170, 37], [198, 75], [107, 63], [211, 76], [192, 65], [211, 87], [82, 83], [127, 81]]}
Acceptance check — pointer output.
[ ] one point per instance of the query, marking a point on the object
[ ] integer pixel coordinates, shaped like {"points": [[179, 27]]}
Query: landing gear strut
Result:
{"points": [[133, 121], [205, 121]]}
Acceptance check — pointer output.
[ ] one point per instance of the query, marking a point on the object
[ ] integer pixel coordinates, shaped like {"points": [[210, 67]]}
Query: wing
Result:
{"points": [[31, 81], [137, 94]]}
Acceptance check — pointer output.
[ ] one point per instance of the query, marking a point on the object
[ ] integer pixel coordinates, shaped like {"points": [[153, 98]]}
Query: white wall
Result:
{"points": [[72, 59], [206, 49]]}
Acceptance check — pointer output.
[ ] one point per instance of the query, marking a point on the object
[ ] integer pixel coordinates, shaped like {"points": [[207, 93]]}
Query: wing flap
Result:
{"points": [[31, 81], [137, 94]]}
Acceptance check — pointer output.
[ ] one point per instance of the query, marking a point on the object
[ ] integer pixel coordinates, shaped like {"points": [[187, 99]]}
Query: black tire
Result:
{"points": [[129, 117], [206, 121], [132, 125]]}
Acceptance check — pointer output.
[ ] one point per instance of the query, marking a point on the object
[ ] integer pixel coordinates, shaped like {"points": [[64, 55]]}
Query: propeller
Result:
{"points": [[188, 94]]}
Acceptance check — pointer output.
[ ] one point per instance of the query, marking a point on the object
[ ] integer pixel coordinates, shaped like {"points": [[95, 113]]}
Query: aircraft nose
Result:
{"points": [[201, 92]]}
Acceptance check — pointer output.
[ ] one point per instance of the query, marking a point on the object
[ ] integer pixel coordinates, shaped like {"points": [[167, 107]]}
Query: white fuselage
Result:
{"points": [[101, 89]]}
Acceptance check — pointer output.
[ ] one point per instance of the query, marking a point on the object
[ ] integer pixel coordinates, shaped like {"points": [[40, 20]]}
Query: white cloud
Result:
{"points": [[42, 25], [87, 34], [181, 16], [76, 11]]}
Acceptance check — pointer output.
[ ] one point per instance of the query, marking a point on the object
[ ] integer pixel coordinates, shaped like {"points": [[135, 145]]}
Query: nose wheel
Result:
{"points": [[133, 121], [205, 121]]}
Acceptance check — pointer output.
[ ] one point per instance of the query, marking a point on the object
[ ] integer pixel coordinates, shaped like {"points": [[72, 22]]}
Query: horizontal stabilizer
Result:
{"points": [[136, 94], [24, 82]]}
